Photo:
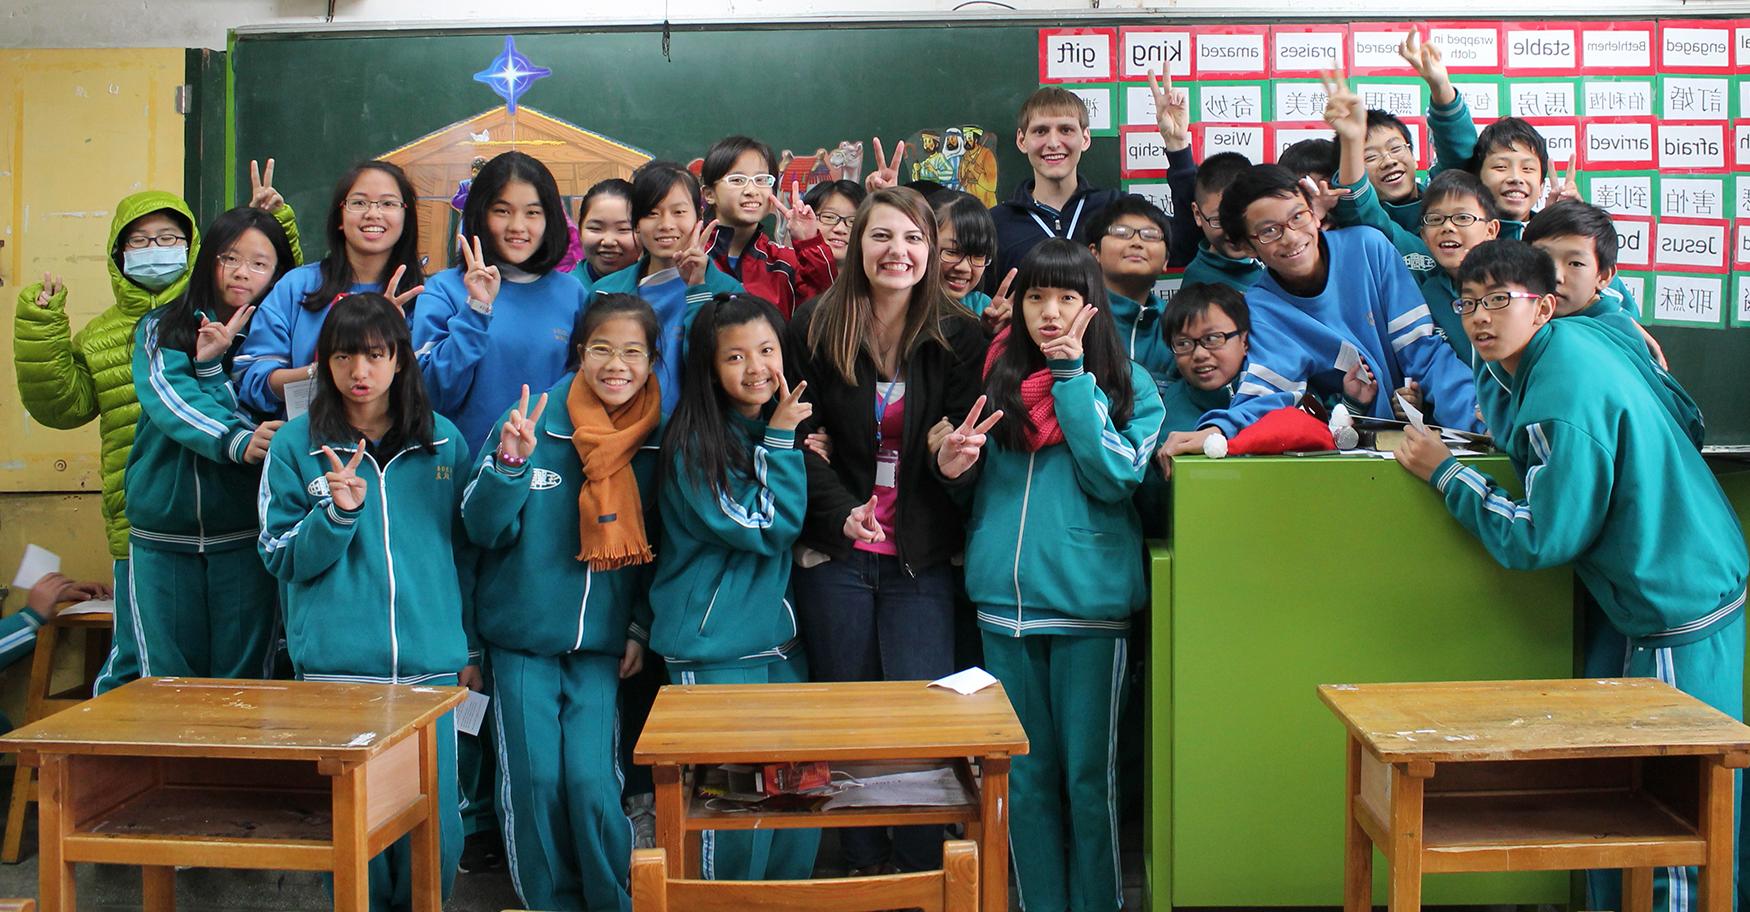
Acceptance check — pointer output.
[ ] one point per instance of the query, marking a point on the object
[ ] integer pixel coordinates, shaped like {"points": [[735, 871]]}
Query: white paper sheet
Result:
{"points": [[1413, 414], [970, 681], [298, 394], [1347, 357], [925, 788], [471, 713], [89, 606], [37, 563]]}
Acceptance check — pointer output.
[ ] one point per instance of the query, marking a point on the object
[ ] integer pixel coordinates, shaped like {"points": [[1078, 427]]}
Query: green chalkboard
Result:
{"points": [[319, 103]]}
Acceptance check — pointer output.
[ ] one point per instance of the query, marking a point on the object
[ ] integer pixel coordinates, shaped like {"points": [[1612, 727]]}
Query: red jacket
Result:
{"points": [[782, 275]]}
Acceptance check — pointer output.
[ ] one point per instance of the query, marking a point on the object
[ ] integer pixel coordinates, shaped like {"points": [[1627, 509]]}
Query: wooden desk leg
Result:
{"points": [[1405, 855], [427, 883], [1716, 828], [671, 817], [1637, 890], [1357, 848], [54, 872], [352, 877], [993, 848], [158, 889]]}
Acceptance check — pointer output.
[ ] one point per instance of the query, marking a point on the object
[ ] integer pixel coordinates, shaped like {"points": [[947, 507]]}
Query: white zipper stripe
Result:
{"points": [[1021, 534]]}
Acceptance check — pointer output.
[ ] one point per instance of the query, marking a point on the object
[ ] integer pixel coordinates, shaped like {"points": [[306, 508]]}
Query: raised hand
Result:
{"points": [[1321, 196], [479, 279], [861, 525], [1068, 347], [886, 173], [1563, 188], [1344, 110], [212, 340], [51, 286], [517, 438], [799, 217], [262, 195], [693, 260], [1425, 58], [960, 449], [791, 410], [1360, 385], [257, 449], [1172, 111], [344, 485], [402, 300], [1001, 307]]}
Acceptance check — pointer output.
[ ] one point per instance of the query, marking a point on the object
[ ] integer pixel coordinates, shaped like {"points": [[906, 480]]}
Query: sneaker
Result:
{"points": [[641, 809], [481, 853]]}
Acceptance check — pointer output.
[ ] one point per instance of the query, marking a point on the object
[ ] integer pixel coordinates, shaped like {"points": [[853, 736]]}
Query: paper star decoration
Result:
{"points": [[510, 74]]}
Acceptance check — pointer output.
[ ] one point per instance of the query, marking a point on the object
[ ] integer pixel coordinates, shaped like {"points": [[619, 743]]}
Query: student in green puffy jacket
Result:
{"points": [[65, 379]]}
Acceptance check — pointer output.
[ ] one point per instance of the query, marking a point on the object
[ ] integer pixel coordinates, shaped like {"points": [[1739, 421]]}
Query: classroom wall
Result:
{"points": [[204, 23]]}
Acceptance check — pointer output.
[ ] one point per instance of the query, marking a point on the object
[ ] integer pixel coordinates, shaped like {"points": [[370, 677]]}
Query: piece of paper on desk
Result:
{"points": [[1413, 414], [37, 563], [925, 788], [297, 396], [471, 713], [89, 606], [970, 681], [1347, 357]]}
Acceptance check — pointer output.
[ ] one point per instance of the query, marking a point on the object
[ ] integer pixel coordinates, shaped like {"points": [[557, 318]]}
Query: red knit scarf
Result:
{"points": [[1042, 427]]}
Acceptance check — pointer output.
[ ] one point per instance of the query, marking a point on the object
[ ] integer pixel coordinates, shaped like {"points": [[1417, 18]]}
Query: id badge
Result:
{"points": [[886, 468]]}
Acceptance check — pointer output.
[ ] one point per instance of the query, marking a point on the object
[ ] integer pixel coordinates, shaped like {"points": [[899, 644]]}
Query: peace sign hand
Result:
{"points": [[692, 261], [1000, 308], [517, 438], [401, 300], [1564, 188], [799, 217], [861, 525], [51, 286], [1321, 196], [1425, 58], [479, 279], [262, 195], [960, 449], [1172, 111], [212, 340], [886, 173], [1068, 347], [1344, 110], [791, 410], [344, 485]]}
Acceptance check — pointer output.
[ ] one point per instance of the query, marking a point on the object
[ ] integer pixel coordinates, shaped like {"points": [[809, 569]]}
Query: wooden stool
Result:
{"points": [[1625, 773], [952, 889], [39, 703]]}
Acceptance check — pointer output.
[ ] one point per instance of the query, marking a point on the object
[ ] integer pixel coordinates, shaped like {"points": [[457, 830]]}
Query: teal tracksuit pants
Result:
{"points": [[753, 854], [1068, 692], [567, 840], [123, 664], [209, 615], [1712, 671]]}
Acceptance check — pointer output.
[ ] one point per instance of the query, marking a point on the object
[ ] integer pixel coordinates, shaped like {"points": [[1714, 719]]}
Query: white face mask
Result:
{"points": [[155, 268]]}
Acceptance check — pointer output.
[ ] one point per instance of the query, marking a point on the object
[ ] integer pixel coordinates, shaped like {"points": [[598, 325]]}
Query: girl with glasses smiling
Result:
{"points": [[739, 178], [968, 241]]}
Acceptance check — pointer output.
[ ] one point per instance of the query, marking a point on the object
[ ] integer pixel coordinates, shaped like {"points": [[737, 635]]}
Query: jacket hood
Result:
{"points": [[133, 298]]}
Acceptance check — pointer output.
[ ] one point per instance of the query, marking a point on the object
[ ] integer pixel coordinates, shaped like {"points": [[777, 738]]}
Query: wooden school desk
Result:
{"points": [[287, 775], [856, 722], [1536, 776]]}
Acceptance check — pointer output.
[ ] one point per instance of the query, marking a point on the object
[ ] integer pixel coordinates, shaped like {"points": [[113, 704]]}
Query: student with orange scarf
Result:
{"points": [[559, 508]]}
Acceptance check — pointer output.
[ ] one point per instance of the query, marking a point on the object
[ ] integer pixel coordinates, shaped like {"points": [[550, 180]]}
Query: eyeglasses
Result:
{"points": [[1273, 232], [358, 204], [1125, 233], [953, 256], [1458, 219], [833, 220], [141, 241], [1214, 341], [1209, 218], [232, 262], [740, 181], [1394, 150], [1494, 301], [631, 355]]}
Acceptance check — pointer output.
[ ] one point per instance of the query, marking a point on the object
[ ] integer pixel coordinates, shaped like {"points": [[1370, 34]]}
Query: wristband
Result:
{"points": [[509, 461], [483, 308], [310, 372]]}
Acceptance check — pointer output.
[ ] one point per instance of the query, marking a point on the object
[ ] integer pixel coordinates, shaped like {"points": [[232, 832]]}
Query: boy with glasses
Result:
{"points": [[1612, 485], [1129, 240]]}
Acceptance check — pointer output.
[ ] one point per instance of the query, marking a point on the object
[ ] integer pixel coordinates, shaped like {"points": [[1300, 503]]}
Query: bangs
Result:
{"points": [[1058, 265], [361, 323]]}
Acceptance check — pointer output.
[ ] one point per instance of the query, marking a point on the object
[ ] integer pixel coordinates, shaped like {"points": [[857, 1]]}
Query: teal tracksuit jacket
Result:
{"points": [[555, 631], [1053, 545], [1212, 268], [721, 596], [675, 303], [1454, 136]]}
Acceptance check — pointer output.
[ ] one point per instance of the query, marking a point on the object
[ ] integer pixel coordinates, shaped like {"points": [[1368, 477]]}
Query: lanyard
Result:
{"points": [[882, 398], [1073, 219]]}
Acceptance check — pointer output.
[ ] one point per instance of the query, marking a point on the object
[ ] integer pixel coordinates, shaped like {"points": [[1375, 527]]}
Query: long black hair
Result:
{"points": [[180, 320], [699, 435], [337, 275], [605, 307], [1057, 263], [489, 183], [358, 324]]}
